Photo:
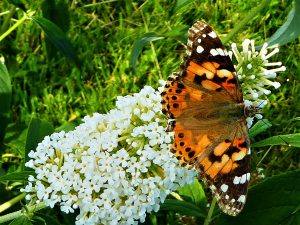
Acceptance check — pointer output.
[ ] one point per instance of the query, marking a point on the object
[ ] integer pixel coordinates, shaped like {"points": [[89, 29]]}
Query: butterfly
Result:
{"points": [[205, 107]]}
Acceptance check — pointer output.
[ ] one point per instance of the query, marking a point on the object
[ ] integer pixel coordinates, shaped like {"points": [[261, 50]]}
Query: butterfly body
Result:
{"points": [[208, 116]]}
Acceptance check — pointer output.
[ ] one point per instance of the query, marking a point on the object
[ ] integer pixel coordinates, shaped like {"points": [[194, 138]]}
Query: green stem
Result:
{"points": [[210, 212], [11, 202], [18, 23], [7, 19], [21, 212], [253, 12]]}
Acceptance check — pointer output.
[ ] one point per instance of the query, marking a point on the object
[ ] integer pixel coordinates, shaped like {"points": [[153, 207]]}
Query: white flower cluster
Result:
{"points": [[254, 73], [114, 167], [253, 69]]}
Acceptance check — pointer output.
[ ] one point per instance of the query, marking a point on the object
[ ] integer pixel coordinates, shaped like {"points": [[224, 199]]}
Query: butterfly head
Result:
{"points": [[251, 111]]}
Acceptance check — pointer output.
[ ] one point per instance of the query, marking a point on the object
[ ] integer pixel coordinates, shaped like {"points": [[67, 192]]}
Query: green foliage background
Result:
{"points": [[93, 51]]}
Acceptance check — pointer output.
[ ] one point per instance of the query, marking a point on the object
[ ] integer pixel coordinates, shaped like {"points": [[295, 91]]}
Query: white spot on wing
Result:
{"points": [[248, 176], [212, 34], [233, 200], [236, 180], [193, 30], [214, 52], [243, 179], [227, 197], [199, 40], [242, 199], [224, 187], [220, 51], [204, 35], [249, 151], [200, 49]]}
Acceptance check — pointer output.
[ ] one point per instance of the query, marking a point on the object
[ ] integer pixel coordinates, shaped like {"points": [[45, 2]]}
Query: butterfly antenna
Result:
{"points": [[288, 144]]}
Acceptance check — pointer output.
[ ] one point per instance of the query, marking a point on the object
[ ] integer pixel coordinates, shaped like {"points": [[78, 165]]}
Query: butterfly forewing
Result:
{"points": [[206, 104]]}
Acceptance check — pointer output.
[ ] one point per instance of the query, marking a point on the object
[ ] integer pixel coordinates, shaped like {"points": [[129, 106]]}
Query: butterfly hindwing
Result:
{"points": [[205, 104]]}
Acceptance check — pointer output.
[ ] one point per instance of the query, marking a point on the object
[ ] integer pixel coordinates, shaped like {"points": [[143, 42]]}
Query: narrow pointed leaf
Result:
{"points": [[182, 207], [57, 37], [17, 176], [259, 127], [37, 130], [290, 30], [140, 44], [5, 99], [288, 139]]}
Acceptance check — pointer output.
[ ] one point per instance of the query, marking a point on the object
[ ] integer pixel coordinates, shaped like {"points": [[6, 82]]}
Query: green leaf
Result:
{"points": [[139, 45], [288, 139], [68, 126], [290, 30], [180, 4], [275, 201], [15, 138], [17, 176], [22, 220], [57, 37], [5, 99], [57, 12], [37, 130], [259, 127], [182, 207], [194, 192]]}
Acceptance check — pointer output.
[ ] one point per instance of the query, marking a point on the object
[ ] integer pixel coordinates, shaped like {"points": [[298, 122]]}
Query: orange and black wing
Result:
{"points": [[205, 104]]}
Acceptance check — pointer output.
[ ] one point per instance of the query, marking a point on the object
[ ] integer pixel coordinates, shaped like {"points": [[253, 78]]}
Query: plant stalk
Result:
{"points": [[22, 212], [11, 202], [18, 23], [7, 19], [210, 212]]}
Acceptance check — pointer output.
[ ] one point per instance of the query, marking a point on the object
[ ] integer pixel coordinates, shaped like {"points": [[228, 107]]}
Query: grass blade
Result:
{"points": [[139, 45]]}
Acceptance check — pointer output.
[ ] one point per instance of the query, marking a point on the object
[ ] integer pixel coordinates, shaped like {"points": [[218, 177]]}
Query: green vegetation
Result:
{"points": [[57, 74]]}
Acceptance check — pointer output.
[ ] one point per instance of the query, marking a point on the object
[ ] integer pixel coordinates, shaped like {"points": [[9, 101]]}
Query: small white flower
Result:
{"points": [[255, 71], [114, 167]]}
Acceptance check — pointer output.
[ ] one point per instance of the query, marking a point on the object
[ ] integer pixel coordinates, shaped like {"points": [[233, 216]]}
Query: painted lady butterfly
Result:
{"points": [[205, 104]]}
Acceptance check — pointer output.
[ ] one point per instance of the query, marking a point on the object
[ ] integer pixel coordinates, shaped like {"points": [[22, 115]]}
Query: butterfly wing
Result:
{"points": [[206, 103]]}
